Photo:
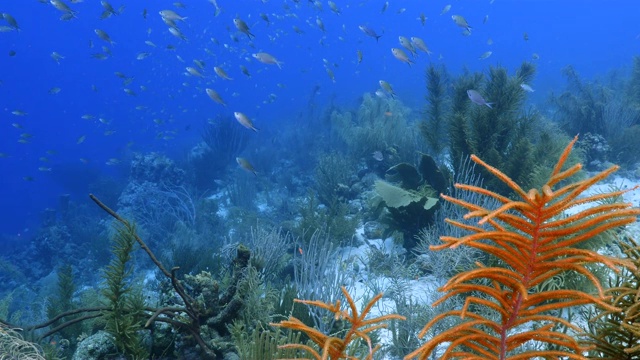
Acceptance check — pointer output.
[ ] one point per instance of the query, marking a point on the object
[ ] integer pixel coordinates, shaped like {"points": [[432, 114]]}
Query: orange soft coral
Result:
{"points": [[334, 347], [534, 242]]}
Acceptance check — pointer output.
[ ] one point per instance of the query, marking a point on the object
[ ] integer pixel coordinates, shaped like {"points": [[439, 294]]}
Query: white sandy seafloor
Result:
{"points": [[424, 289]]}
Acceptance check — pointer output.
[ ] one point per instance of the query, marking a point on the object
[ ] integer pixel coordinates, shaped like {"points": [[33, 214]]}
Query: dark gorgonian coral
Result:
{"points": [[616, 334], [534, 242]]}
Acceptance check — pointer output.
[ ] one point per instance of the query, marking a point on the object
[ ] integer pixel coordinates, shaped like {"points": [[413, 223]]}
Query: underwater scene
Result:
{"points": [[298, 179]]}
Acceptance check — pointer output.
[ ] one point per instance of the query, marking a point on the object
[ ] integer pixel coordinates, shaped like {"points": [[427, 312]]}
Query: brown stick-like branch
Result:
{"points": [[194, 326], [66, 313], [161, 311], [188, 301], [68, 323]]}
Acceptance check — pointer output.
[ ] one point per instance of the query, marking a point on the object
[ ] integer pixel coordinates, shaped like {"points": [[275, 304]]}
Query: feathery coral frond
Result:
{"points": [[534, 243], [334, 347], [616, 334]]}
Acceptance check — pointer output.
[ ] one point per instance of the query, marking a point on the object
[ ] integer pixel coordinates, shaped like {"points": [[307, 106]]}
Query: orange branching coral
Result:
{"points": [[333, 347], [535, 242]]}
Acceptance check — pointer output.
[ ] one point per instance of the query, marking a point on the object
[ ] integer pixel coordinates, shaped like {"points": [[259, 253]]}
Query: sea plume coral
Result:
{"points": [[333, 347], [533, 241]]}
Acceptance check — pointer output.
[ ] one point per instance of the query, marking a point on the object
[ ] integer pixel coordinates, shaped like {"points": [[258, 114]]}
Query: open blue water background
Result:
{"points": [[593, 36]]}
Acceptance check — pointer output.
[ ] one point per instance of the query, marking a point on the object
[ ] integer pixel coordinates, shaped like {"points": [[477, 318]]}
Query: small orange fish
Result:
{"points": [[300, 250], [388, 114]]}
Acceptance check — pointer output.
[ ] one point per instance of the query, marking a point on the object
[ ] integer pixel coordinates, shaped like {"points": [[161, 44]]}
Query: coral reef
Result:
{"points": [[196, 323], [501, 135], [412, 203], [158, 197], [334, 175], [378, 125], [506, 314], [223, 141], [156, 168], [608, 111], [98, 346]]}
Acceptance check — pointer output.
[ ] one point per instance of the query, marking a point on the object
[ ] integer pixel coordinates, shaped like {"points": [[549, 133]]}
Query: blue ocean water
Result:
{"points": [[593, 36], [75, 109]]}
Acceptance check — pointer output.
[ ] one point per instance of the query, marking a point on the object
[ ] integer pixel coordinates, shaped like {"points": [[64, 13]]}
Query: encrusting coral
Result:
{"points": [[534, 242]]}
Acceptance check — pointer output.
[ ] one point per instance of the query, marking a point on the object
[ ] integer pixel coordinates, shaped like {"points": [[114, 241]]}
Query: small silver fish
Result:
{"points": [[243, 27], [220, 72], [419, 44], [10, 20], [401, 55], [104, 36], [369, 31], [246, 165], [268, 59], [526, 87], [485, 55], [476, 98], [193, 72], [244, 121], [461, 22], [215, 96], [387, 87], [406, 43], [171, 15]]}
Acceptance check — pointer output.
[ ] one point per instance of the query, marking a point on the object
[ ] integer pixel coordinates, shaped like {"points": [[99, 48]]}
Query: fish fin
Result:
{"points": [[489, 105]]}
